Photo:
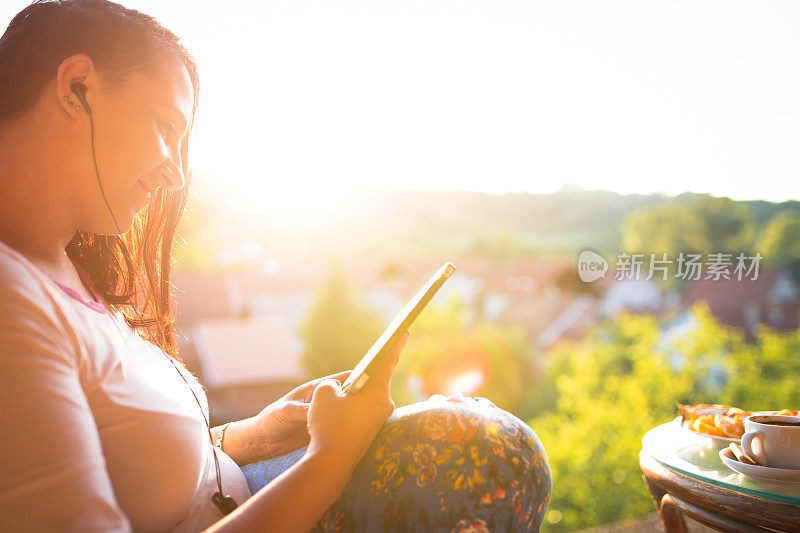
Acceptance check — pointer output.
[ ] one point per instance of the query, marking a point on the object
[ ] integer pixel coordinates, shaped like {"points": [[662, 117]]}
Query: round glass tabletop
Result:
{"points": [[695, 456]]}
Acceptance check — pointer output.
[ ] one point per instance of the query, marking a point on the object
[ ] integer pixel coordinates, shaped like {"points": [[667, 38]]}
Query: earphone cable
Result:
{"points": [[97, 173]]}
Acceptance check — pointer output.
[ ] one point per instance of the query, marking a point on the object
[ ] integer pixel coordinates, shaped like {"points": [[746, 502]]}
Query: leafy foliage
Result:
{"points": [[339, 328], [730, 223], [763, 376], [690, 224], [704, 225], [665, 228], [779, 243], [602, 394]]}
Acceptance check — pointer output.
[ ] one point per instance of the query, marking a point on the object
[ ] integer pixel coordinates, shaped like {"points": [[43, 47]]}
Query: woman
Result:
{"points": [[105, 430]]}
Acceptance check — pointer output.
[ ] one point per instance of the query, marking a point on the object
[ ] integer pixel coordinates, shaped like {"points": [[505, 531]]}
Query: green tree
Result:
{"points": [[763, 376], [779, 242], [339, 328], [605, 392], [730, 224], [665, 228]]}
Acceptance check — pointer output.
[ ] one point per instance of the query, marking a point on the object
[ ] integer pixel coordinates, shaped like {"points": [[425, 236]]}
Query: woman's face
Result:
{"points": [[139, 129]]}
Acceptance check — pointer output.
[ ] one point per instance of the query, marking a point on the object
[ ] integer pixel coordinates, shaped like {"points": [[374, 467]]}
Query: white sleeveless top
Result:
{"points": [[99, 432]]}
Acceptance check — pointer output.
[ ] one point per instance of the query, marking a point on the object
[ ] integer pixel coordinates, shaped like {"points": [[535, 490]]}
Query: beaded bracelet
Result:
{"points": [[221, 435]]}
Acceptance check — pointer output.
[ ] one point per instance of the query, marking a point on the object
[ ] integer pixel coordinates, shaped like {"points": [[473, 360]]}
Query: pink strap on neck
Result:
{"points": [[98, 304]]}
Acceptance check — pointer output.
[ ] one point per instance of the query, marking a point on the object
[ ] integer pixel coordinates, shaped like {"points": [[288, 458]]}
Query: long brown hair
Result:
{"points": [[133, 271]]}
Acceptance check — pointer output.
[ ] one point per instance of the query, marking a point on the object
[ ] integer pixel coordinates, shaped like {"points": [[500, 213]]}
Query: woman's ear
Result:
{"points": [[68, 102], [77, 68]]}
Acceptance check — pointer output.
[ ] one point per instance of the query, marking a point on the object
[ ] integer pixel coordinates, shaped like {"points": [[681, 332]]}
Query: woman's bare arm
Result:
{"points": [[341, 429], [237, 441], [295, 500]]}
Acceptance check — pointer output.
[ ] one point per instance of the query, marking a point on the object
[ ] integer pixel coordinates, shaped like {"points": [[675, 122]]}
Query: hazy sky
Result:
{"points": [[629, 96]]}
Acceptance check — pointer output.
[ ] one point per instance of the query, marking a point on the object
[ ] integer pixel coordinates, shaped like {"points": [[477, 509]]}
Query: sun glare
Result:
{"points": [[302, 205], [467, 383]]}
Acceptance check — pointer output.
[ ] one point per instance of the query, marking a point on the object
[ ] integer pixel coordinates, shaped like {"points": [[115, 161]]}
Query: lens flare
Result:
{"points": [[467, 383], [466, 369]]}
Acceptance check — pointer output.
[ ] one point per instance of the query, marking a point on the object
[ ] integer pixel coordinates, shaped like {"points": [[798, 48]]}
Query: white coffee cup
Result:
{"points": [[773, 440]]}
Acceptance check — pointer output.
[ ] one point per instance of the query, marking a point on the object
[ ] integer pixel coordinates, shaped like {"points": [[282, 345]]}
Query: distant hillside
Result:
{"points": [[391, 223]]}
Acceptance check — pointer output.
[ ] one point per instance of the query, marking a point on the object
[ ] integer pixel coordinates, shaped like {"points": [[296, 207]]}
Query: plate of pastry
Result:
{"points": [[720, 424]]}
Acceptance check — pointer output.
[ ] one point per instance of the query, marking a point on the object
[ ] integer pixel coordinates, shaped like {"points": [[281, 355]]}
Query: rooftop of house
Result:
{"points": [[775, 285], [234, 352]]}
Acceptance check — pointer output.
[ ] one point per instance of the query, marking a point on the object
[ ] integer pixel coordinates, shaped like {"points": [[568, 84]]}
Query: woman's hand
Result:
{"points": [[278, 429], [341, 430], [343, 426]]}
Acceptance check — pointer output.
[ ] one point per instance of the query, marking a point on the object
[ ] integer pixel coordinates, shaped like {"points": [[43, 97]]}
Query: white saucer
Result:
{"points": [[766, 474]]}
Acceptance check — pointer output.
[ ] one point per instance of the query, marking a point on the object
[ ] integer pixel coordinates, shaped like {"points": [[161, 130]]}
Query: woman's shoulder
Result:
{"points": [[19, 277], [33, 319], [28, 299]]}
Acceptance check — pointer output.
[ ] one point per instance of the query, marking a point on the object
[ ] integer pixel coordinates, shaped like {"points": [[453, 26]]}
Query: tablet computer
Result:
{"points": [[399, 324]]}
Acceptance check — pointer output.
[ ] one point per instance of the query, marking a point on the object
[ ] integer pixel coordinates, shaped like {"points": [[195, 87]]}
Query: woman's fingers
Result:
{"points": [[304, 391], [341, 376], [401, 344], [327, 389], [383, 375], [295, 411]]}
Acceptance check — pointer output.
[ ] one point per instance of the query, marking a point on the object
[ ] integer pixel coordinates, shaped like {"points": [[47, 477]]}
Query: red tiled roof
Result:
{"points": [[252, 350], [201, 295], [731, 300], [532, 272], [733, 291]]}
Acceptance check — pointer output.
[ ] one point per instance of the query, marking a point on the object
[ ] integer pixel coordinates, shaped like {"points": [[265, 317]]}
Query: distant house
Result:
{"points": [[571, 323], [636, 295], [214, 295], [397, 282], [509, 289], [773, 298], [205, 295], [532, 294], [245, 363]]}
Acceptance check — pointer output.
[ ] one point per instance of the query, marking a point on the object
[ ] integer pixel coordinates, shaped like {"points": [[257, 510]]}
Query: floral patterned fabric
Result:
{"points": [[442, 467]]}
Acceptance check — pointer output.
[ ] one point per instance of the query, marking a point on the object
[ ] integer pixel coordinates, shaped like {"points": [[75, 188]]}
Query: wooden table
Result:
{"points": [[686, 478]]}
